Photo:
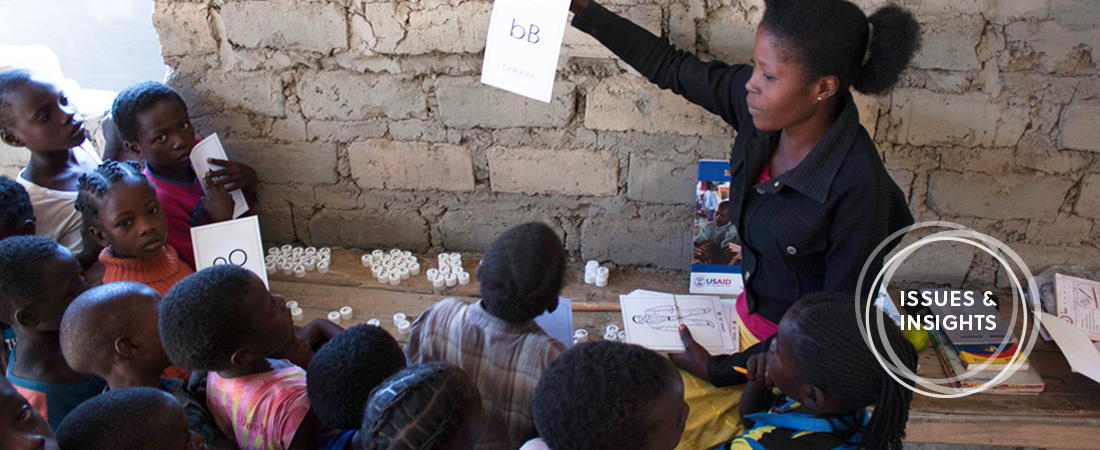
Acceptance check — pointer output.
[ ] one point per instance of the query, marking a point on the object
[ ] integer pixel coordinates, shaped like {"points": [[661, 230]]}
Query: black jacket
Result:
{"points": [[808, 230]]}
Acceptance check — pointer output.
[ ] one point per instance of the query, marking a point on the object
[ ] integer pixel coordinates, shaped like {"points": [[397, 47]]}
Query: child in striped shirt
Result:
{"points": [[223, 320]]}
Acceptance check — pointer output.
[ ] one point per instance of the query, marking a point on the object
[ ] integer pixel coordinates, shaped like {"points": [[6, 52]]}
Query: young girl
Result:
{"points": [[153, 123], [124, 216], [429, 406], [813, 386]]}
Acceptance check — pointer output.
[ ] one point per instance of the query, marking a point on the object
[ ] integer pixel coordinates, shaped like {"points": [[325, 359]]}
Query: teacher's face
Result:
{"points": [[778, 94]]}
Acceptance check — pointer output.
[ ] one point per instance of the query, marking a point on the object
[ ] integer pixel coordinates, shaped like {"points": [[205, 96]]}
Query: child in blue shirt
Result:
{"points": [[812, 388]]}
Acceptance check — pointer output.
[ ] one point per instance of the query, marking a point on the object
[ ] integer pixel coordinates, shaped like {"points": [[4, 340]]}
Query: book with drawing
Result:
{"points": [[1078, 302], [1023, 381], [716, 250], [652, 320]]}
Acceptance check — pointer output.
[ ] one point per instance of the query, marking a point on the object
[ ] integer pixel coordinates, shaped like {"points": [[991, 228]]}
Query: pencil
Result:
{"points": [[741, 370]]}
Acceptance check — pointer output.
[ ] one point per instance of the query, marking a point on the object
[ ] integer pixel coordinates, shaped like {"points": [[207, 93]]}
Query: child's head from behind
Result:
{"points": [[222, 317], [128, 419], [153, 123], [120, 207], [38, 280], [522, 273], [820, 359], [346, 369], [113, 328], [21, 427], [34, 113], [608, 395], [430, 406], [16, 212]]}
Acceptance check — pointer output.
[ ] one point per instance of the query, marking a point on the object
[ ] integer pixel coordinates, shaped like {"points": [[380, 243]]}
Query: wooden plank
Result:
{"points": [[1036, 431]]}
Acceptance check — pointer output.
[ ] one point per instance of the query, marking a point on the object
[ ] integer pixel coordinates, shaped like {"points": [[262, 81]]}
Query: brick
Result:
{"points": [[374, 227], [183, 28], [950, 43], [935, 8], [1002, 197], [1065, 230], [386, 164], [869, 108], [655, 236], [903, 178], [1005, 12], [447, 29], [564, 172], [467, 103], [1088, 201], [681, 26], [577, 43], [305, 163], [1041, 257], [276, 225], [634, 104], [339, 131], [1051, 47], [729, 36], [940, 263], [1080, 127], [286, 25], [660, 181], [473, 226], [259, 92], [349, 96], [928, 118], [380, 28]]}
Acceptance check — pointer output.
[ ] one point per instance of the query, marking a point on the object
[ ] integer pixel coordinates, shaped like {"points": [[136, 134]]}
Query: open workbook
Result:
{"points": [[652, 320]]}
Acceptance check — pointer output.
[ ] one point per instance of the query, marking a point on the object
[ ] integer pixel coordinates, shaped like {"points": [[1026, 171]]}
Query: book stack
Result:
{"points": [[983, 352]]}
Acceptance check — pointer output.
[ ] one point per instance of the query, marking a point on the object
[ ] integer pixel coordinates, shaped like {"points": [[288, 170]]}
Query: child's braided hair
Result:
{"points": [[422, 407], [835, 357], [92, 186]]}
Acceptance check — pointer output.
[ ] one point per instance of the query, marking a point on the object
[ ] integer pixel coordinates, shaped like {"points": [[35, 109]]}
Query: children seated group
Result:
{"points": [[218, 363]]}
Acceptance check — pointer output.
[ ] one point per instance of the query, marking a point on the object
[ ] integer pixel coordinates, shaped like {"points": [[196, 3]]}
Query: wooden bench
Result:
{"points": [[1065, 415]]}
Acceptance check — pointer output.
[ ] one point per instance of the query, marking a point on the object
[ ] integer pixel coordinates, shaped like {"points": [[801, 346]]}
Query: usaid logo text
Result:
{"points": [[704, 281]]}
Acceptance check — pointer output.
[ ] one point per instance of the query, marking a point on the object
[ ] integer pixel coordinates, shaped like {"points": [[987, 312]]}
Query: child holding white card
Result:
{"points": [[153, 123]]}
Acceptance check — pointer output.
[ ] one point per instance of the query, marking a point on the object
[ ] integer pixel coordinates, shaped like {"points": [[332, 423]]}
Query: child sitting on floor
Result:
{"points": [[128, 419], [35, 114], [153, 123], [16, 219], [429, 406], [827, 377], [21, 427], [223, 320], [123, 215], [496, 340], [342, 375], [111, 331], [38, 280], [608, 395]]}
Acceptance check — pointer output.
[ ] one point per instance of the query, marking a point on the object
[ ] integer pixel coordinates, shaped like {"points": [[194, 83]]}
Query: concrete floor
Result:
{"points": [[102, 44]]}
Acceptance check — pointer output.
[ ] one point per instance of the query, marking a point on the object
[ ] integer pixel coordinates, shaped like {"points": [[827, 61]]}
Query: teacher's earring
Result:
{"points": [[819, 99]]}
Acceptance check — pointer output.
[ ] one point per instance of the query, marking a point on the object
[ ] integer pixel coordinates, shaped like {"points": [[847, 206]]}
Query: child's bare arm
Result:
{"points": [[306, 436], [757, 396]]}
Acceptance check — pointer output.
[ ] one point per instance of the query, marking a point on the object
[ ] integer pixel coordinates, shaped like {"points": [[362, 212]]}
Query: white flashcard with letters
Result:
{"points": [[211, 147], [523, 45], [234, 242]]}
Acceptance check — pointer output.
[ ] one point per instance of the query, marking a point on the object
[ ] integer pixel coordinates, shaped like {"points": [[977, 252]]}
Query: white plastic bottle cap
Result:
{"points": [[432, 273], [374, 322], [603, 272], [590, 277], [395, 279], [299, 271], [601, 283], [622, 335], [406, 254], [377, 253], [271, 258], [400, 264], [397, 318], [311, 264], [334, 317], [326, 257], [325, 250], [581, 335], [463, 278], [403, 327], [322, 267], [367, 259], [411, 260], [452, 280], [286, 268], [445, 270], [385, 258], [376, 269], [591, 265], [345, 313], [287, 248], [610, 336], [273, 251], [296, 314], [612, 328], [383, 277], [403, 273], [439, 281], [291, 305], [271, 268], [297, 251], [456, 257], [311, 249], [414, 269], [395, 252]]}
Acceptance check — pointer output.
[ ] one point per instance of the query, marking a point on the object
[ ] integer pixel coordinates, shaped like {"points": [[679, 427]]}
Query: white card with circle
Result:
{"points": [[234, 242]]}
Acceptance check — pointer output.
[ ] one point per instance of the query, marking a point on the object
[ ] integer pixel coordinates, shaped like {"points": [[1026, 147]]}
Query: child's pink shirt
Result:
{"points": [[182, 205], [261, 411]]}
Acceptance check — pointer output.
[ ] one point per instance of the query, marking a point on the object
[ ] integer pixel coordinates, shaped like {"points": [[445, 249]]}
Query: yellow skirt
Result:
{"points": [[713, 418]]}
